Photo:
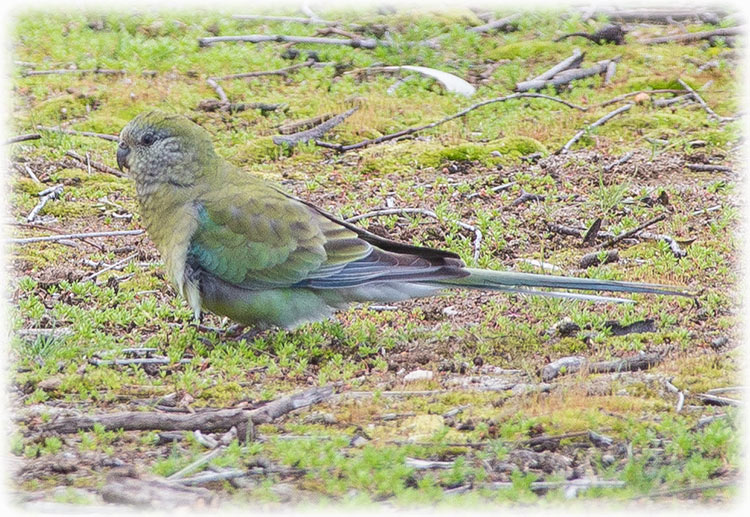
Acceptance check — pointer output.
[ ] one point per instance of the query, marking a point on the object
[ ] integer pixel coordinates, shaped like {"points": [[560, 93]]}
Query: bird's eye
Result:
{"points": [[148, 139]]}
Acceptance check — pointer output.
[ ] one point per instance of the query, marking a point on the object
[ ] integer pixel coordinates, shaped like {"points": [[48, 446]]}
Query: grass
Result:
{"points": [[365, 349]]}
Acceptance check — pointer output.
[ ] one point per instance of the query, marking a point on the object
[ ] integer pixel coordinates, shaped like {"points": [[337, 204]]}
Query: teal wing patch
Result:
{"points": [[253, 236]]}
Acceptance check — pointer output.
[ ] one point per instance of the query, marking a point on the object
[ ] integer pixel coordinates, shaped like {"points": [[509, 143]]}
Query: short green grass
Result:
{"points": [[365, 349]]}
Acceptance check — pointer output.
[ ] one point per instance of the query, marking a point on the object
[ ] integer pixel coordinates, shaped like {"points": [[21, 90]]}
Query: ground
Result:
{"points": [[453, 400]]}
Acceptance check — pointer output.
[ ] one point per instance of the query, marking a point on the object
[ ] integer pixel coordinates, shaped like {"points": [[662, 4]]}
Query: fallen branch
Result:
{"points": [[236, 107], [45, 195], [22, 138], [207, 421], [281, 71], [212, 477], [624, 235], [103, 71], [417, 129], [715, 400], [501, 24], [610, 72], [218, 89], [686, 490], [627, 156], [564, 77], [313, 133], [155, 493], [294, 19], [700, 100], [301, 125], [577, 484], [525, 197], [197, 463], [680, 395], [566, 64], [282, 38], [656, 16], [673, 244], [111, 138], [630, 364], [595, 258], [96, 165], [663, 103], [425, 212], [564, 149], [111, 267], [52, 238], [696, 36]]}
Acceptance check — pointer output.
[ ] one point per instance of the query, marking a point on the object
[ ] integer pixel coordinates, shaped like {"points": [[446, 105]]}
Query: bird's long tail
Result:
{"points": [[530, 283]]}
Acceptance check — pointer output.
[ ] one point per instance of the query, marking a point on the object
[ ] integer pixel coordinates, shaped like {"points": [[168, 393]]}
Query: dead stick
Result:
{"points": [[700, 100], [111, 267], [295, 19], [313, 133], [218, 89], [624, 235], [111, 138], [52, 238], [102, 71], [96, 165], [412, 130], [22, 138], [629, 364], [566, 64], [564, 149], [565, 77], [281, 38], [502, 23], [696, 36], [207, 421], [280, 71], [46, 194], [422, 211]]}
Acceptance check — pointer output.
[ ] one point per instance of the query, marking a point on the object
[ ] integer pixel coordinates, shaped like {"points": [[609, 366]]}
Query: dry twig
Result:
{"points": [[22, 138], [96, 165], [206, 421], [624, 235], [282, 38], [417, 129], [313, 133], [281, 71], [501, 24], [696, 36], [564, 149], [111, 138], [69, 236], [700, 100], [571, 62], [564, 77], [45, 195]]}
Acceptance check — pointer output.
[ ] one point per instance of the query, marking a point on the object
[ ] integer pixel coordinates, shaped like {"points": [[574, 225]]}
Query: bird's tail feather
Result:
{"points": [[510, 281]]}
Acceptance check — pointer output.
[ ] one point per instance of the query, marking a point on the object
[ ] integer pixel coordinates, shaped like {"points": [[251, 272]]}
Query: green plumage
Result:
{"points": [[238, 246]]}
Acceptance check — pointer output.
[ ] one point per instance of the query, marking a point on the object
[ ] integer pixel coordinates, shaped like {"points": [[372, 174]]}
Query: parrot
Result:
{"points": [[238, 246]]}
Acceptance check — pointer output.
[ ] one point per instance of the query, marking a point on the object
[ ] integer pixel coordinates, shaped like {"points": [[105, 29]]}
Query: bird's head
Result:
{"points": [[158, 147]]}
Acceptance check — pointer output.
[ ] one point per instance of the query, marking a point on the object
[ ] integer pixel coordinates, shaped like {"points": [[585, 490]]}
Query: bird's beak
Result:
{"points": [[122, 155]]}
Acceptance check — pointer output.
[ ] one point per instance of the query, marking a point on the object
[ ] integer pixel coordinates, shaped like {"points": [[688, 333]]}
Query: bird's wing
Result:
{"points": [[256, 236]]}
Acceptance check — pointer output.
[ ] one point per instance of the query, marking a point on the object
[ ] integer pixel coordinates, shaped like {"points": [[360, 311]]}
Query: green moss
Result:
{"points": [[256, 150], [524, 49], [517, 146], [65, 107]]}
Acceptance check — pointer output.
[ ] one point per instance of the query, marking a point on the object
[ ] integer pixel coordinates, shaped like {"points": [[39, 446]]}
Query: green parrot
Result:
{"points": [[240, 247]]}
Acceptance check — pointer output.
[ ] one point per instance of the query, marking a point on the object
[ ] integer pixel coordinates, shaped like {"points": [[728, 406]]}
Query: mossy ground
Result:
{"points": [[459, 337]]}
